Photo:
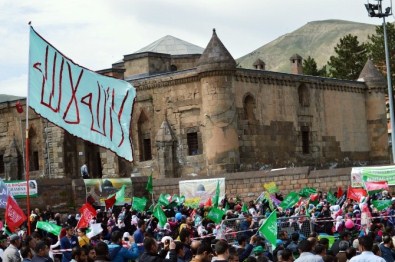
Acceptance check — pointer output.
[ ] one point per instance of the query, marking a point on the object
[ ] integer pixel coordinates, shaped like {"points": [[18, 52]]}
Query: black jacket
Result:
{"points": [[151, 257]]}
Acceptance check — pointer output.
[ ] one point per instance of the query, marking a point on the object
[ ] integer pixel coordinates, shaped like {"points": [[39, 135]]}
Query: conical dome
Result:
{"points": [[215, 56], [371, 75]]}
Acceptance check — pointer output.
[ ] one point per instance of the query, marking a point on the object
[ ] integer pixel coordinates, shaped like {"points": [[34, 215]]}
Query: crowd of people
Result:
{"points": [[311, 230]]}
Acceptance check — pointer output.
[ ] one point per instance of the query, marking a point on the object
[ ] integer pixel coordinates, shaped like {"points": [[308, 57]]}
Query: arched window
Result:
{"points": [[144, 133], [304, 96], [249, 106]]}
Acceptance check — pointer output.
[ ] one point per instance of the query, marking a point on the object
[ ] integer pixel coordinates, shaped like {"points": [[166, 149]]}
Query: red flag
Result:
{"points": [[208, 203], [110, 201], [19, 107], [14, 215], [356, 193], [376, 186], [339, 192], [87, 212], [82, 223]]}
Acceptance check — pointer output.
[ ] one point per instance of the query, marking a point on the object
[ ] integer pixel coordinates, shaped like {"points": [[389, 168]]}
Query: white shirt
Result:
{"points": [[367, 256], [309, 257]]}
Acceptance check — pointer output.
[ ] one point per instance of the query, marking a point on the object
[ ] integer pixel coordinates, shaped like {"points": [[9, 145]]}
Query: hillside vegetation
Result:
{"points": [[316, 39]]}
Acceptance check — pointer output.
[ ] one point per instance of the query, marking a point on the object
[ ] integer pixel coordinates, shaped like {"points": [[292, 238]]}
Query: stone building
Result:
{"points": [[197, 113]]}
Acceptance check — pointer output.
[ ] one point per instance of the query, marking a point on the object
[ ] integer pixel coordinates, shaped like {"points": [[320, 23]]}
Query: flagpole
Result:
{"points": [[27, 167]]}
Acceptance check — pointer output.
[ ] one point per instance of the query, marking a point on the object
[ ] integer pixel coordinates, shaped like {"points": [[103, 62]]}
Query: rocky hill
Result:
{"points": [[316, 39]]}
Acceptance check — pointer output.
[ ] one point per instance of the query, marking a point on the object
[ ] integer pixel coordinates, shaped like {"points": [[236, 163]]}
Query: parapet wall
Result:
{"points": [[67, 195]]}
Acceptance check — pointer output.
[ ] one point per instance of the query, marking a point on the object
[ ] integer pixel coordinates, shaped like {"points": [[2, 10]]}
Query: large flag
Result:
{"points": [[88, 105], [149, 187], [14, 215], [110, 201], [269, 228], [356, 193], [376, 186], [49, 227], [290, 200], [87, 213], [307, 191], [4, 192], [216, 196]]}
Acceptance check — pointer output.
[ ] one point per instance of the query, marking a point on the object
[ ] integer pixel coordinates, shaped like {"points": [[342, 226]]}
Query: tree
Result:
{"points": [[350, 58], [310, 68], [376, 48]]}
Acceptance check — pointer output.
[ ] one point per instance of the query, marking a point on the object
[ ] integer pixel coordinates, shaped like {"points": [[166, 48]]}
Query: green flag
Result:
{"points": [[149, 186], [216, 215], [226, 208], [244, 208], [290, 200], [269, 228], [120, 196], [382, 204], [49, 227], [139, 204], [160, 215], [331, 198], [163, 200], [216, 197], [307, 191]]}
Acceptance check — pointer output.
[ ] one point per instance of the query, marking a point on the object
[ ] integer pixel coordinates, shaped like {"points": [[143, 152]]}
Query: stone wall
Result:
{"points": [[67, 195]]}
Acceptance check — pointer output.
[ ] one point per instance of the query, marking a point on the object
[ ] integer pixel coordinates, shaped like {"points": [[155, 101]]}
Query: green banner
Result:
{"points": [[18, 188], [381, 204], [49, 227], [360, 175]]}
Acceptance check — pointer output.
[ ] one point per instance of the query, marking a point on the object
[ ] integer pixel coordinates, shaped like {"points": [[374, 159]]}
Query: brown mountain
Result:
{"points": [[316, 39]]}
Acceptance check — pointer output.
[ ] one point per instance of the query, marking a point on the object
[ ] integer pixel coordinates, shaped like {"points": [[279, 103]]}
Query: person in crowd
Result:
{"points": [[365, 247], [387, 249], [102, 254], [151, 251], [83, 239], [41, 249], [180, 251], [306, 255], [26, 254], [78, 254], [222, 251], [344, 236], [68, 242], [341, 256], [139, 235], [185, 239], [204, 253], [11, 254], [90, 252], [118, 253]]}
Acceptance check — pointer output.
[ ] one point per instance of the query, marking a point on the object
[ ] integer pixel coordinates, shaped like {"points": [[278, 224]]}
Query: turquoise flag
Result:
{"points": [[269, 228], [290, 200], [88, 105]]}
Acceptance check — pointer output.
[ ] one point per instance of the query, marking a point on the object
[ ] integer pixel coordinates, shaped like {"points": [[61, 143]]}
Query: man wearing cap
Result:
{"points": [[11, 254]]}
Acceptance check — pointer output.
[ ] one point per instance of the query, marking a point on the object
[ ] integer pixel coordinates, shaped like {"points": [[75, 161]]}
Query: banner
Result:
{"points": [[4, 192], [18, 189], [200, 190], [98, 190], [360, 175], [88, 105]]}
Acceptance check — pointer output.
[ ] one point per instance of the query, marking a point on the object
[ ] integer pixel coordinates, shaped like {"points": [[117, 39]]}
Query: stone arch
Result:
{"points": [[249, 107], [144, 137], [304, 95]]}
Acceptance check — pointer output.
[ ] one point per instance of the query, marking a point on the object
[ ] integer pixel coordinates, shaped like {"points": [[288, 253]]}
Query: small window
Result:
{"points": [[305, 141], [1, 164], [173, 68], [193, 145], [146, 149], [34, 163]]}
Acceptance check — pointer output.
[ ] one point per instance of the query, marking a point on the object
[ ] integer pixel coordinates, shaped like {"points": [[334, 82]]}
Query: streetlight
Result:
{"points": [[376, 10]]}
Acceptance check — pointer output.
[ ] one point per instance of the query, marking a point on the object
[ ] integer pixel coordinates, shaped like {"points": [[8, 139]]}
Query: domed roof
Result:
{"points": [[215, 56]]}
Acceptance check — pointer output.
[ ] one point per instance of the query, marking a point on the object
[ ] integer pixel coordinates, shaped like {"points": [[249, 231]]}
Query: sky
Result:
{"points": [[97, 33]]}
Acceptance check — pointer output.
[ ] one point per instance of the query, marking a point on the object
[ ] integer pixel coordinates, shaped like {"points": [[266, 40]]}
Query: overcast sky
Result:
{"points": [[97, 33]]}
